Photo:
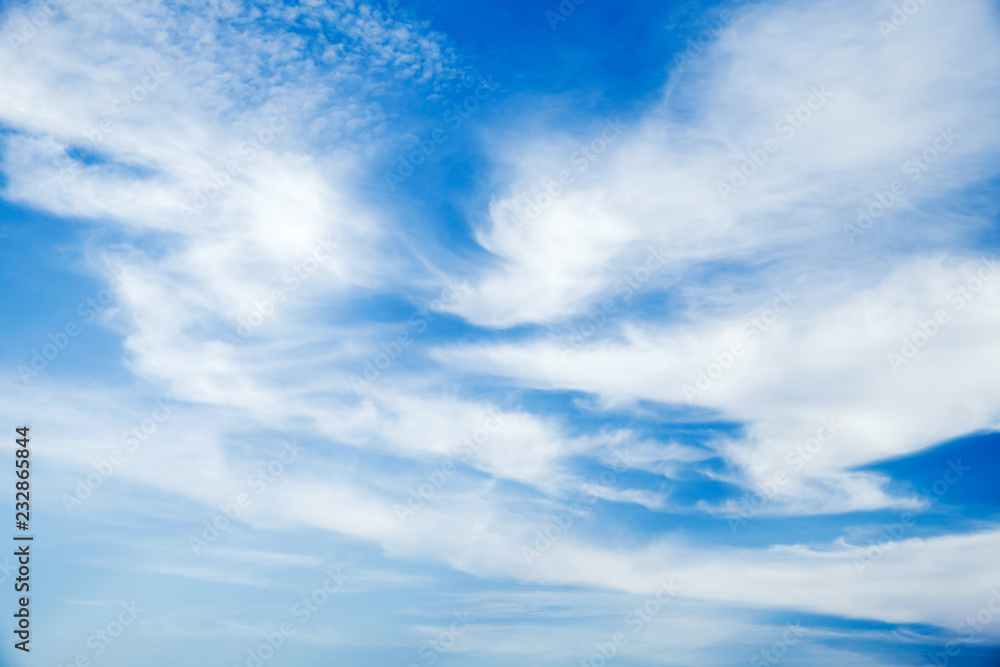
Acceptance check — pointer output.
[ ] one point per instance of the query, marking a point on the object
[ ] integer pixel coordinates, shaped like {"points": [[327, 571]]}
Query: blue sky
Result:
{"points": [[525, 333]]}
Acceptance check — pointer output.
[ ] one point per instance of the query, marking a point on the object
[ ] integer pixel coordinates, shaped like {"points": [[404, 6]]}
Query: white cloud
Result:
{"points": [[195, 278]]}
